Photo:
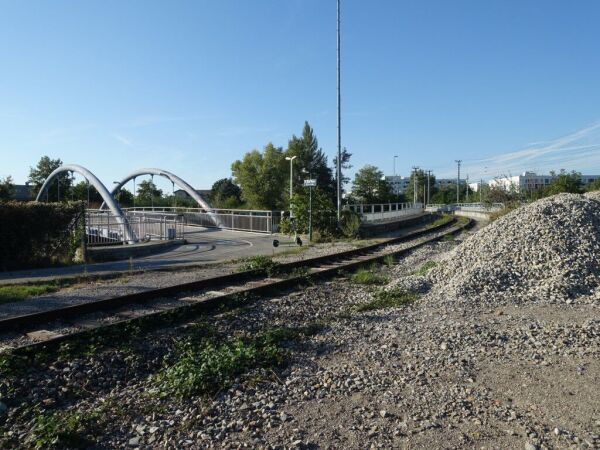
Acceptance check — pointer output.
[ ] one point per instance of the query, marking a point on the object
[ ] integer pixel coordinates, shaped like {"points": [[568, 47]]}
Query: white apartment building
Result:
{"points": [[530, 181], [399, 183]]}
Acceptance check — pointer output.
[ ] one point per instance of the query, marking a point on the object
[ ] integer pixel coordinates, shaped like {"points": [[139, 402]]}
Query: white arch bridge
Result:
{"points": [[126, 223]]}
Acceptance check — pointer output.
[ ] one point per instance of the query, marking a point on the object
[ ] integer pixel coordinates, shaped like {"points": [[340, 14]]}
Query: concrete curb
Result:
{"points": [[104, 254]]}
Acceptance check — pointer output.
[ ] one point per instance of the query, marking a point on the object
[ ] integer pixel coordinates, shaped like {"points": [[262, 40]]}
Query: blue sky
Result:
{"points": [[190, 86]]}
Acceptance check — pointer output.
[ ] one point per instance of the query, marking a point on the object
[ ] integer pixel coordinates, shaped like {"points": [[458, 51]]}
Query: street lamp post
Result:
{"points": [[395, 156], [291, 160]]}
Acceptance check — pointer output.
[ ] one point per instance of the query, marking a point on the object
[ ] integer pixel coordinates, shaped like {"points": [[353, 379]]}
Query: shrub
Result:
{"points": [[38, 234], [262, 263], [350, 224]]}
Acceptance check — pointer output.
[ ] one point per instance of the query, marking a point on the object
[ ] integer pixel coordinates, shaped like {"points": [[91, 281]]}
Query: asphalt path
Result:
{"points": [[204, 245]]}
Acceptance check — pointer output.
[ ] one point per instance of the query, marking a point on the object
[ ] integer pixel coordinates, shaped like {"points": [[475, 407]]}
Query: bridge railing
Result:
{"points": [[104, 228], [257, 221], [384, 211], [475, 207]]}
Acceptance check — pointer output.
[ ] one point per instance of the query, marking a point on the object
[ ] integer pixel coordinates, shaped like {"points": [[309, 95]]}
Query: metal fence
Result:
{"points": [[103, 228], [258, 221], [475, 207], [385, 211]]}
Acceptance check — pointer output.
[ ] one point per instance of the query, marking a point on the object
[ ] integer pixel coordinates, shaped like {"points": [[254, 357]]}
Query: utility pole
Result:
{"points": [[339, 120], [428, 192], [458, 161], [415, 184], [467, 188], [480, 190]]}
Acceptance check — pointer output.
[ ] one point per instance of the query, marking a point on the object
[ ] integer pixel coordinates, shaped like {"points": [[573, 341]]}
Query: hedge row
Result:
{"points": [[39, 234]]}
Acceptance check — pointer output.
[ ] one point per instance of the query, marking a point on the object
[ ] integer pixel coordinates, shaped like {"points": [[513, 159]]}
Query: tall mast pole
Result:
{"points": [[458, 161], [339, 120]]}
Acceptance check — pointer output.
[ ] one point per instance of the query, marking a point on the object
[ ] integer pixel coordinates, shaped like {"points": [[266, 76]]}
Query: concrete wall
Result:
{"points": [[473, 215]]}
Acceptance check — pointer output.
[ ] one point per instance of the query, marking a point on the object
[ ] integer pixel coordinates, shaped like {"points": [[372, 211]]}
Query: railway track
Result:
{"points": [[178, 303]]}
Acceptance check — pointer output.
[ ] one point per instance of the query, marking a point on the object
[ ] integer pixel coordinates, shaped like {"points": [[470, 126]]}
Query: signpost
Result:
{"points": [[310, 183]]}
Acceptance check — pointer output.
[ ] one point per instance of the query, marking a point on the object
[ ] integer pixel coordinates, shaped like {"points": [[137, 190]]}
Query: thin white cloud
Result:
{"points": [[123, 140], [579, 151]]}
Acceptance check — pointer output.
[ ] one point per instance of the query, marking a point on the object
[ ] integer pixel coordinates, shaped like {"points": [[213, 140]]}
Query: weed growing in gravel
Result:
{"points": [[213, 363], [421, 271], [15, 293], [62, 430], [386, 299], [368, 276], [448, 238], [263, 264], [445, 218], [389, 260]]}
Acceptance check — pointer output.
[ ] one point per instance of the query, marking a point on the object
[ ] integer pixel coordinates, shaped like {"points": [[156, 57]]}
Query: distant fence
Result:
{"points": [[258, 221], [384, 211], [473, 207], [103, 228]]}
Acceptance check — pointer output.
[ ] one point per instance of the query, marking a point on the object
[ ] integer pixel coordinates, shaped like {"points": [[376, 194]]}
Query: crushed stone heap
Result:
{"points": [[548, 250]]}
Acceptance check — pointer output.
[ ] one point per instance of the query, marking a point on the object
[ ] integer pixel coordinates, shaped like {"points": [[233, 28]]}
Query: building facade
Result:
{"points": [[399, 184], [530, 181]]}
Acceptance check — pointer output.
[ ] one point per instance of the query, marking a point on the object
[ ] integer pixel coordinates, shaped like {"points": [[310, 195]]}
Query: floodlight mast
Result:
{"points": [[339, 120]]}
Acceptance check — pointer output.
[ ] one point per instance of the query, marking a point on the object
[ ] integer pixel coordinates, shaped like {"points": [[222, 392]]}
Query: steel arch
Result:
{"points": [[174, 179], [106, 196]]}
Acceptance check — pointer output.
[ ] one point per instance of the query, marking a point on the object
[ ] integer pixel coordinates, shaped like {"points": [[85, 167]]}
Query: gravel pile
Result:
{"points": [[548, 250]]}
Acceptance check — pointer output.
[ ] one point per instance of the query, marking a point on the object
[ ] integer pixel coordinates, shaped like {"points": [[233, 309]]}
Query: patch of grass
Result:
{"points": [[60, 430], [368, 276], [262, 263], [205, 365], [448, 238], [389, 260], [292, 251], [386, 299], [18, 292], [421, 271], [445, 218]]}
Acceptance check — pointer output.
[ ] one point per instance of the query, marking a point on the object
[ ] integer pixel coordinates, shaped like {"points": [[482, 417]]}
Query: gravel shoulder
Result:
{"points": [[436, 373]]}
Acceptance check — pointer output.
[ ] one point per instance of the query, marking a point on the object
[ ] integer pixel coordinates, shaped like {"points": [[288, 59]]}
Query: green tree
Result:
{"points": [[369, 186], [80, 192], [262, 178], [310, 159], [565, 182], [42, 170], [225, 194], [593, 186], [323, 214], [421, 177], [148, 193], [7, 188], [124, 197], [345, 166]]}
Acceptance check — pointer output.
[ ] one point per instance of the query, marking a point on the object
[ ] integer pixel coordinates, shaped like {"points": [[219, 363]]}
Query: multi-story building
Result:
{"points": [[530, 181], [397, 183], [400, 183]]}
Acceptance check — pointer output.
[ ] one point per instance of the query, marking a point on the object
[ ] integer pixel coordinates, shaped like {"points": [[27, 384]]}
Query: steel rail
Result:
{"points": [[18, 323]]}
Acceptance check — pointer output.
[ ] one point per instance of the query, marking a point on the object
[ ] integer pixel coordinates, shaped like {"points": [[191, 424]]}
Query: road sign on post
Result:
{"points": [[310, 183]]}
